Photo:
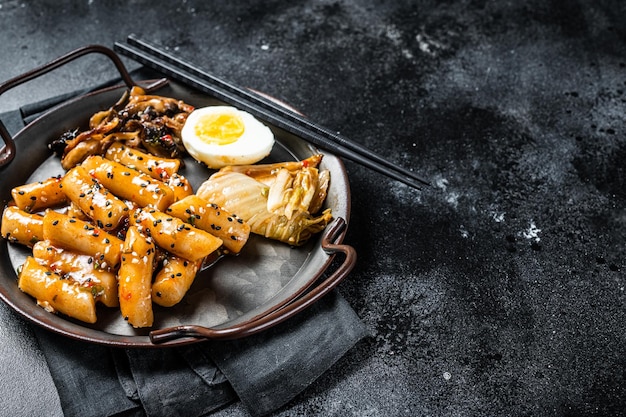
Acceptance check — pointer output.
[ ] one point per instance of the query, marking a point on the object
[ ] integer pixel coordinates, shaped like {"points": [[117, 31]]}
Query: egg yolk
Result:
{"points": [[219, 129]]}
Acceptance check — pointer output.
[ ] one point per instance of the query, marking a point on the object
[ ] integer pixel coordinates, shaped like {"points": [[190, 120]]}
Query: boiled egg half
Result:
{"points": [[223, 135]]}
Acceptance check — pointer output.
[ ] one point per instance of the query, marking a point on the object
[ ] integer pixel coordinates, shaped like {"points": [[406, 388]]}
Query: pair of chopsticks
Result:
{"points": [[263, 108]]}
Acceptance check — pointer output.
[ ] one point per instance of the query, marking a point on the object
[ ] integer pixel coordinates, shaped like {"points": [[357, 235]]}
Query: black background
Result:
{"points": [[499, 290]]}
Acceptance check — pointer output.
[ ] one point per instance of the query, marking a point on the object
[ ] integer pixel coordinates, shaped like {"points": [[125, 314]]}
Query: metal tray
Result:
{"points": [[239, 296]]}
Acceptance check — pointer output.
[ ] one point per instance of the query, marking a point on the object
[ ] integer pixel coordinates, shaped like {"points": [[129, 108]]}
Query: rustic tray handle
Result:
{"points": [[329, 245], [7, 153]]}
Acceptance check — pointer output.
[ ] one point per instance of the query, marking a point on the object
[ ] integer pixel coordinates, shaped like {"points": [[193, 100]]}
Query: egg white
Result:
{"points": [[254, 144]]}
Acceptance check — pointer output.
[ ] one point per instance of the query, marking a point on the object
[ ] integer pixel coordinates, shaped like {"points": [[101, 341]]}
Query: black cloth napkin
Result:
{"points": [[265, 371]]}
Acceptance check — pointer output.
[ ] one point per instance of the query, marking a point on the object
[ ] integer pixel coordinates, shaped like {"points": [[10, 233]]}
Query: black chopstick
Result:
{"points": [[262, 101], [263, 108]]}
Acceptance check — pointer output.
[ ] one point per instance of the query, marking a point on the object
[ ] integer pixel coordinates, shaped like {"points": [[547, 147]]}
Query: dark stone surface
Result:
{"points": [[497, 291]]}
